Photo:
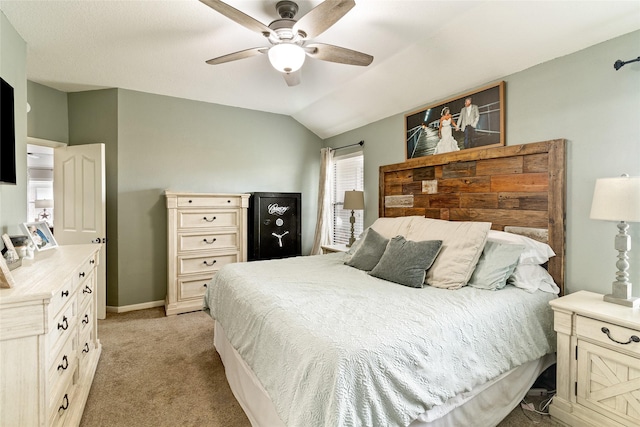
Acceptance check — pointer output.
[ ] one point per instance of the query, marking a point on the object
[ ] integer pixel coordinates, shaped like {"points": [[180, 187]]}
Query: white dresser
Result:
{"points": [[49, 346], [598, 371], [205, 232]]}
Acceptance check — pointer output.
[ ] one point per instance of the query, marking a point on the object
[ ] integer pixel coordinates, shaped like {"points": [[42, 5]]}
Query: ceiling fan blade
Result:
{"points": [[323, 16], [238, 55], [239, 17], [327, 52], [292, 79]]}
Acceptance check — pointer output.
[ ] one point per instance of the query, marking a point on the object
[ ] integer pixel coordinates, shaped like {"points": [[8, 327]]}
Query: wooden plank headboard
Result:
{"points": [[519, 185]]}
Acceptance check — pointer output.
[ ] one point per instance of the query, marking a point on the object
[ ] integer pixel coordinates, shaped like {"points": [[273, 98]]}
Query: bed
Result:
{"points": [[387, 336]]}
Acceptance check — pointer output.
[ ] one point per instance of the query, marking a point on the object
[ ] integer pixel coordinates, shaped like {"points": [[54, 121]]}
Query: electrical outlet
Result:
{"points": [[537, 392]]}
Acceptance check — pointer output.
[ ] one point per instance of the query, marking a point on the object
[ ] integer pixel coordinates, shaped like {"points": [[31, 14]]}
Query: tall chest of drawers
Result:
{"points": [[598, 372], [205, 232], [49, 347]]}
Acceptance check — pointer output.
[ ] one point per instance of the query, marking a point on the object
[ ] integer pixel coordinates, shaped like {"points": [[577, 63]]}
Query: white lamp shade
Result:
{"points": [[43, 204], [286, 57], [353, 200], [617, 199]]}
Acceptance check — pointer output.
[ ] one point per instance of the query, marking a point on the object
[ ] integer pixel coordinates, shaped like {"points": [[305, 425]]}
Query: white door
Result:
{"points": [[80, 197]]}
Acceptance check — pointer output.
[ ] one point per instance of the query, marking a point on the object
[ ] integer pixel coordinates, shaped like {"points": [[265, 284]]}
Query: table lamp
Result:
{"points": [[618, 199], [44, 204], [353, 200]]}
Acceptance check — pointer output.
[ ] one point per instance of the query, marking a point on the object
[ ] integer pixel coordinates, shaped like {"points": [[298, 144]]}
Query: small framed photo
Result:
{"points": [[40, 235]]}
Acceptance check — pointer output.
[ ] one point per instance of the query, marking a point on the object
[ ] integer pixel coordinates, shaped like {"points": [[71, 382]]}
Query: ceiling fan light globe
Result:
{"points": [[286, 57]]}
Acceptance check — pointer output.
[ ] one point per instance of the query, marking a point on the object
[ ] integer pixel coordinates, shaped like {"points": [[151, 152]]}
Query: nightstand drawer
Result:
{"points": [[606, 333]]}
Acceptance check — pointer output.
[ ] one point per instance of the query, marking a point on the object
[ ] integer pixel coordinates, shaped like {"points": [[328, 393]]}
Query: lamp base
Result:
{"points": [[627, 302]]}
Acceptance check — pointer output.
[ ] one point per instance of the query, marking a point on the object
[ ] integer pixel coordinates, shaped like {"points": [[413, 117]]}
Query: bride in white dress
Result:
{"points": [[446, 143]]}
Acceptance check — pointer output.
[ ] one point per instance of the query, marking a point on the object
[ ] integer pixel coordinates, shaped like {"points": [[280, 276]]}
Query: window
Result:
{"points": [[347, 175]]}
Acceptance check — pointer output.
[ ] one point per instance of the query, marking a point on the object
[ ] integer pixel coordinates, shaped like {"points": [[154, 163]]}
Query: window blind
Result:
{"points": [[348, 174]]}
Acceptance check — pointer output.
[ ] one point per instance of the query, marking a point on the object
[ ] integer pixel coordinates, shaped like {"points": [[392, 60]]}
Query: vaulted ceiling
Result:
{"points": [[423, 50]]}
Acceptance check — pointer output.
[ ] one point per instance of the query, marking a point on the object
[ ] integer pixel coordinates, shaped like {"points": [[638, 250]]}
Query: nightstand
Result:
{"points": [[327, 249], [598, 370]]}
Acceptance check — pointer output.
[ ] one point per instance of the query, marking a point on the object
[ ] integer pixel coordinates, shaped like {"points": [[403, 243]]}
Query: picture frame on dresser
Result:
{"points": [[6, 279], [40, 235], [422, 126]]}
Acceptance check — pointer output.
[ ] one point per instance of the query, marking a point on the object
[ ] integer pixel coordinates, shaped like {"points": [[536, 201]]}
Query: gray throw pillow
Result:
{"points": [[496, 264], [369, 251], [406, 262]]}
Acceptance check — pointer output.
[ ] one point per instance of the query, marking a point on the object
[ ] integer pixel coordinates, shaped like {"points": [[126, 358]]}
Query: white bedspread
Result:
{"points": [[334, 346]]}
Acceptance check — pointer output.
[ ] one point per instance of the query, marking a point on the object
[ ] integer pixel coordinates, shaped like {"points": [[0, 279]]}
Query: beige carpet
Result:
{"points": [[163, 371]]}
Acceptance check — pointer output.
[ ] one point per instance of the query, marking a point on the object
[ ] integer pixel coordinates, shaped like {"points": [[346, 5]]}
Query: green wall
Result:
{"points": [[579, 97], [13, 60], [49, 116]]}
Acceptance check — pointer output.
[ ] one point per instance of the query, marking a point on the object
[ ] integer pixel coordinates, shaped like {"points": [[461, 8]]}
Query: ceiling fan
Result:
{"points": [[290, 38]]}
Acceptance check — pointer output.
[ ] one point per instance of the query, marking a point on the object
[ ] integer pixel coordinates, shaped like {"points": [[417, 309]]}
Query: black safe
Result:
{"points": [[274, 225]]}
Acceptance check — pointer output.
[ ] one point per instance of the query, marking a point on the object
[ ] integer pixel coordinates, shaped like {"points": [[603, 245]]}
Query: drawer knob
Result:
{"points": [[93, 261], [209, 265], [87, 290], [633, 338], [190, 201], [85, 320], [65, 403], [209, 242], [64, 325], [81, 274], [65, 293], [65, 363], [209, 220], [86, 348]]}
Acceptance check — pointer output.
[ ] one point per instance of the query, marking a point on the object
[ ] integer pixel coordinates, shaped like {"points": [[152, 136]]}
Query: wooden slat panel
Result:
{"points": [[444, 200], [502, 216], [527, 201], [459, 170], [421, 201], [398, 201], [526, 182], [479, 200], [413, 188], [436, 213], [536, 163], [392, 189], [467, 185], [507, 165], [424, 173]]}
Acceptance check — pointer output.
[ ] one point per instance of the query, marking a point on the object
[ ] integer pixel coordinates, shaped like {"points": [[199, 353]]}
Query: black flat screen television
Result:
{"points": [[7, 135]]}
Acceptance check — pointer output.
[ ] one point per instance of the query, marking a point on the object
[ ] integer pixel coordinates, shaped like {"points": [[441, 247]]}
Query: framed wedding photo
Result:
{"points": [[471, 120], [40, 235]]}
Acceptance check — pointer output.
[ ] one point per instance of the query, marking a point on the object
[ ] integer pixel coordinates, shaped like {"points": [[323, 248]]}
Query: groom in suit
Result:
{"points": [[468, 121]]}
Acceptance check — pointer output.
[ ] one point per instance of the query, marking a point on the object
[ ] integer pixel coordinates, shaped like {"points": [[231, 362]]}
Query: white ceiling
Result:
{"points": [[424, 50]]}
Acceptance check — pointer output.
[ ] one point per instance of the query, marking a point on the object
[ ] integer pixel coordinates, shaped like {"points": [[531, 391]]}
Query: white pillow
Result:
{"points": [[534, 253], [531, 278], [462, 244], [391, 227]]}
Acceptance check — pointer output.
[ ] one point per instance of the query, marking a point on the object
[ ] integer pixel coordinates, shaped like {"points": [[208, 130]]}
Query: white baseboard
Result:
{"points": [[134, 307]]}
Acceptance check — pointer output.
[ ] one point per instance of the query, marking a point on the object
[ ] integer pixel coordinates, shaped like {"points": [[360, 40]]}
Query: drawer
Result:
{"points": [[62, 363], [218, 202], [199, 219], [61, 297], [85, 349], [62, 326], [85, 319], [83, 272], [204, 264], [619, 337], [193, 287], [200, 241], [62, 405], [86, 290]]}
